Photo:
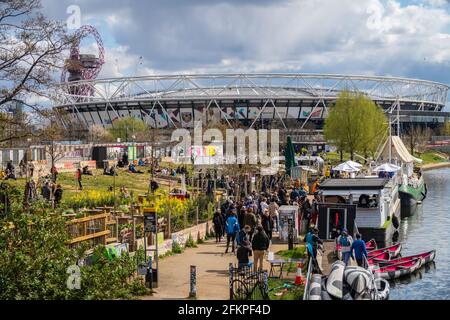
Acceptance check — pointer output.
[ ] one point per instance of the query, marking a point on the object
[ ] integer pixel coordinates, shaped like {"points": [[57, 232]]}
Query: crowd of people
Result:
{"points": [[248, 224]]}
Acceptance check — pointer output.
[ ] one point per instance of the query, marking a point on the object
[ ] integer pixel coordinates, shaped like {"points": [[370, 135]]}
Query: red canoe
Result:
{"points": [[394, 271], [384, 256], [371, 245], [393, 250], [425, 257]]}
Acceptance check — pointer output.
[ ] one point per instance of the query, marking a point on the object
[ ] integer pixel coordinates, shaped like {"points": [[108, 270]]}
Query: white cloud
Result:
{"points": [[346, 36]]}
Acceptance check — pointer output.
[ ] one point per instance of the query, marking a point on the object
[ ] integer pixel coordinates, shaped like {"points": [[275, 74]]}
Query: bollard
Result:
{"points": [[299, 276], [193, 286]]}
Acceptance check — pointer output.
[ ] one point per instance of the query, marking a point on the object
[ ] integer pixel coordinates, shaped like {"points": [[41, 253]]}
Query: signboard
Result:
{"points": [[288, 219], [150, 222]]}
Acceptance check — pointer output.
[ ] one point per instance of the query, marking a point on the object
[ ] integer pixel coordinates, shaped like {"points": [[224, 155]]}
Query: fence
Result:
{"points": [[91, 229], [245, 284], [439, 138]]}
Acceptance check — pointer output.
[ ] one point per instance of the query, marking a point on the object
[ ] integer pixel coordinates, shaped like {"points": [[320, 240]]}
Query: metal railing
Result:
{"points": [[308, 280]]}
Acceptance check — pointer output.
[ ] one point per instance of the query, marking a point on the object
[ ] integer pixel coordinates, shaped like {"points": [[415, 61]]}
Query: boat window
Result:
{"points": [[366, 201]]}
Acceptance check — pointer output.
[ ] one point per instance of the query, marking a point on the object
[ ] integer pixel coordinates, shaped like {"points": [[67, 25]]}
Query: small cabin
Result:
{"points": [[375, 199]]}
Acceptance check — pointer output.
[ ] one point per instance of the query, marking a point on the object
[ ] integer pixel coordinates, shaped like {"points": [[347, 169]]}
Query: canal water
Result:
{"points": [[428, 229]]}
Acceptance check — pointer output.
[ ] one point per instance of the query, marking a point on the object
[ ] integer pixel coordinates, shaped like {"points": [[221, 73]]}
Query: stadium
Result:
{"points": [[297, 104]]}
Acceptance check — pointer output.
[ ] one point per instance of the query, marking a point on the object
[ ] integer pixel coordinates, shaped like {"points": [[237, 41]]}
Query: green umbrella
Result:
{"points": [[289, 156]]}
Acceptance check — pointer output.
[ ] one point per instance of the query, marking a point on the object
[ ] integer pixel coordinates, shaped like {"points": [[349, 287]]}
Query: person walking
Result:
{"points": [[273, 211], [46, 191], [58, 194], [267, 223], [232, 228], [315, 241], [260, 244], [358, 251], [218, 225], [263, 205], [250, 220], [345, 241], [79, 177], [241, 215]]}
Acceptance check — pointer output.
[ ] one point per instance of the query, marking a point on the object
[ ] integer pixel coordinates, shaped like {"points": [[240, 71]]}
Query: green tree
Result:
{"points": [[35, 257], [125, 128], [446, 129], [355, 124]]}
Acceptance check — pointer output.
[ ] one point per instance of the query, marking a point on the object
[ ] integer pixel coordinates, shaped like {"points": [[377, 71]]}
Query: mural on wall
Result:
{"points": [[187, 119]]}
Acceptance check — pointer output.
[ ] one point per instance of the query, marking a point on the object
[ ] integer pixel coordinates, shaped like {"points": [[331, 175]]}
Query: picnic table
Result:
{"points": [[280, 263]]}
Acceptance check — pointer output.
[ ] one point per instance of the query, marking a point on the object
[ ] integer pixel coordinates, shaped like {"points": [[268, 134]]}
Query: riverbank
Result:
{"points": [[433, 166]]}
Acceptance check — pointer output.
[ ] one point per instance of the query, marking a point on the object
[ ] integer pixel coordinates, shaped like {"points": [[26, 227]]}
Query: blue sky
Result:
{"points": [[382, 37]]}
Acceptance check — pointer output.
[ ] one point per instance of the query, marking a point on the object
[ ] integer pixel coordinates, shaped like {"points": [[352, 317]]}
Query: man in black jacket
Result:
{"points": [[260, 244]]}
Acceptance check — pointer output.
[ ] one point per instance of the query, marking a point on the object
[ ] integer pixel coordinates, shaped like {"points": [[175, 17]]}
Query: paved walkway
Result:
{"points": [[212, 272]]}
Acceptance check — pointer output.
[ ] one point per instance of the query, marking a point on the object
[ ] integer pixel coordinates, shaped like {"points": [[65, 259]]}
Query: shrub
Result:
{"points": [[190, 243], [176, 248], [34, 258]]}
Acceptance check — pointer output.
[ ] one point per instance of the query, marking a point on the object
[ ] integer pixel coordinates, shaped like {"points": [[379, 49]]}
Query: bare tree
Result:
{"points": [[417, 137], [31, 50], [98, 133]]}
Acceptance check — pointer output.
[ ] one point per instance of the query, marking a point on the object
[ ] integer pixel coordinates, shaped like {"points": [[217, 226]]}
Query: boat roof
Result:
{"points": [[357, 183]]}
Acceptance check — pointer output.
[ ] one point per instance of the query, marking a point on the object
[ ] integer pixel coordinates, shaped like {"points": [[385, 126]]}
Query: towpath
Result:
{"points": [[212, 272]]}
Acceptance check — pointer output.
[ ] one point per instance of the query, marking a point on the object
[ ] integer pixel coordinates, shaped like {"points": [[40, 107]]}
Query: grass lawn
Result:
{"points": [[432, 157], [281, 289], [138, 183], [427, 157]]}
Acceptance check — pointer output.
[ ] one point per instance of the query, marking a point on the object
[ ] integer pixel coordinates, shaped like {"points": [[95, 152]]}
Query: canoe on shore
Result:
{"points": [[394, 271], [371, 245], [393, 250], [384, 256], [425, 257]]}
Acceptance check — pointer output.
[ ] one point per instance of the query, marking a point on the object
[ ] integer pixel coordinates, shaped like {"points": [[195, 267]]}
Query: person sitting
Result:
{"points": [[10, 171], [120, 163], [243, 253], [132, 168], [86, 171], [154, 185], [141, 163]]}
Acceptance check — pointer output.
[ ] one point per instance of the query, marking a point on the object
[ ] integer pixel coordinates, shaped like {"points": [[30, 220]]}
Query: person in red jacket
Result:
{"points": [[78, 175]]}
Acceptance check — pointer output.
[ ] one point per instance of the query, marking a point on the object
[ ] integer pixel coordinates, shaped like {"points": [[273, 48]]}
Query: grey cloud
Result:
{"points": [[307, 35]]}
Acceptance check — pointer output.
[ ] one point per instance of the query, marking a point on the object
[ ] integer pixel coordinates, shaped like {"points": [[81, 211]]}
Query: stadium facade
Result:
{"points": [[297, 104]]}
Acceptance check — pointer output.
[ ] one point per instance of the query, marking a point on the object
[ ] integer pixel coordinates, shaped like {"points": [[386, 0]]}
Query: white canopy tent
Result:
{"points": [[354, 164], [387, 167], [347, 167]]}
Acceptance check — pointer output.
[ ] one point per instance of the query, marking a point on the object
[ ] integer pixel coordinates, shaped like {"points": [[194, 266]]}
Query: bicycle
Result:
{"points": [[249, 286]]}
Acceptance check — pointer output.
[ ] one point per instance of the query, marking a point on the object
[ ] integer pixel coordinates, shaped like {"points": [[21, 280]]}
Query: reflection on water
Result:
{"points": [[428, 229]]}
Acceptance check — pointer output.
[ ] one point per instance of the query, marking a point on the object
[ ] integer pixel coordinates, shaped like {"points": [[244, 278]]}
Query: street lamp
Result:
{"points": [[133, 146], [26, 165]]}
